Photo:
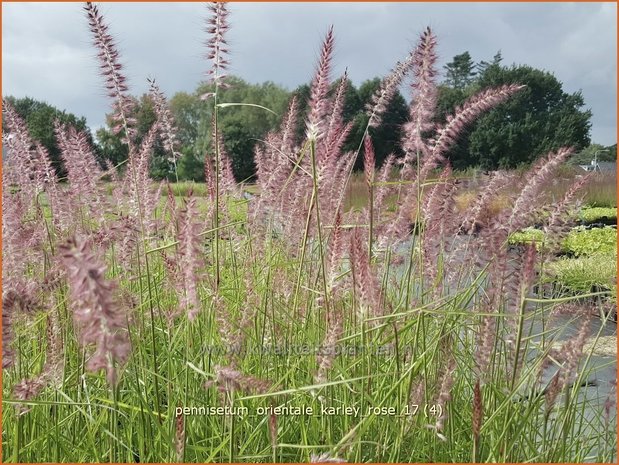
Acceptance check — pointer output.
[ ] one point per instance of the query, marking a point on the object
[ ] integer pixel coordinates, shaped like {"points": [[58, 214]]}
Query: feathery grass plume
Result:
{"points": [[227, 182], [336, 132], [572, 351], [399, 227], [165, 123], [232, 336], [424, 97], [406, 210], [273, 168], [366, 283], [439, 223], [416, 397], [493, 238], [552, 392], [569, 355], [486, 338], [217, 26], [334, 152], [469, 111], [382, 190], [517, 283], [517, 286], [538, 175], [123, 234], [228, 379], [527, 273], [333, 186], [29, 165], [110, 68], [478, 411], [79, 159], [610, 402], [369, 170], [294, 205], [143, 199], [273, 429], [557, 226], [379, 102], [54, 358], [174, 279], [11, 301], [22, 238], [265, 163], [19, 300], [172, 209], [21, 167], [28, 389], [179, 437], [289, 123], [444, 396], [190, 261], [83, 171], [275, 160], [99, 319], [431, 204], [369, 161], [325, 457], [336, 250], [209, 177], [474, 216], [59, 205], [319, 102], [8, 354], [328, 351]]}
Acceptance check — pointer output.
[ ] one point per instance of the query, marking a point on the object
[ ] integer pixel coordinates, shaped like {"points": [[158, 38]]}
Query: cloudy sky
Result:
{"points": [[46, 51]]}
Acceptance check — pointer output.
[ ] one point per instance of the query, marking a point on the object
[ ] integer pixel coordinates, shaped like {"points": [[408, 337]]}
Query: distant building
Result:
{"points": [[600, 166]]}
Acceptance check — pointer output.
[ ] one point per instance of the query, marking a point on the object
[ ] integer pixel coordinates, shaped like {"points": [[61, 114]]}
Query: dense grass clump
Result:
{"points": [[593, 214], [581, 241], [185, 323]]}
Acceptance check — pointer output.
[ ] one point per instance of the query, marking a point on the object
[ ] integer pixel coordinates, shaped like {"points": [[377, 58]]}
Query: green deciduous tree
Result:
{"points": [[115, 151], [588, 154], [386, 137], [538, 119], [242, 126], [190, 167]]}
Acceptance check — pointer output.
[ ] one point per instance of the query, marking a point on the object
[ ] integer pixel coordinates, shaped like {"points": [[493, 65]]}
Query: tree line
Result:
{"points": [[540, 118]]}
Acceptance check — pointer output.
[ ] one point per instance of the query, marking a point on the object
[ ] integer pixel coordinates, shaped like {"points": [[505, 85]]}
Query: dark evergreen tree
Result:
{"points": [[538, 119], [39, 117], [460, 72]]}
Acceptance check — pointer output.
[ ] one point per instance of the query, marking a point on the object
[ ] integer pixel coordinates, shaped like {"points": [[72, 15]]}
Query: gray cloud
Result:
{"points": [[47, 53]]}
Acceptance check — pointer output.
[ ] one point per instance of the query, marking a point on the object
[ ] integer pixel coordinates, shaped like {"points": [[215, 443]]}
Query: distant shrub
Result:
{"points": [[592, 214], [527, 236], [585, 273], [589, 242]]}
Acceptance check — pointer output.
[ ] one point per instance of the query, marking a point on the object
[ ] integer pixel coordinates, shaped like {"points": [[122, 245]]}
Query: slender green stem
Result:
{"points": [[217, 182], [316, 197]]}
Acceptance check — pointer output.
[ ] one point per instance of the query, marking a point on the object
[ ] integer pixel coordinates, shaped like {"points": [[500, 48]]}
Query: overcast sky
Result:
{"points": [[46, 52]]}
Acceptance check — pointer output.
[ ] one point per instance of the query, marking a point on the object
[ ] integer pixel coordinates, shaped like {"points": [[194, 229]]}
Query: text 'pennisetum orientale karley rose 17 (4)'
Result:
{"points": [[403, 328]]}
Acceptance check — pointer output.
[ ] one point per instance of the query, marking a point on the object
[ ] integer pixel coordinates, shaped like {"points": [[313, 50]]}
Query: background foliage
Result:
{"points": [[541, 118]]}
